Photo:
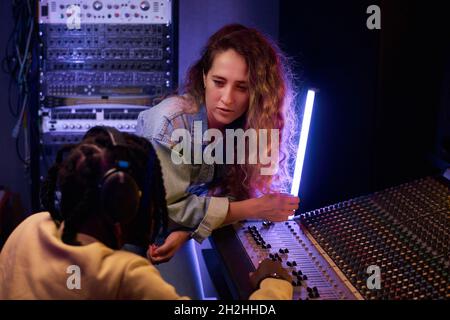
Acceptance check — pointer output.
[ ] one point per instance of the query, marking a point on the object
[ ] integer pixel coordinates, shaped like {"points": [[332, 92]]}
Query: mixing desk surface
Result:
{"points": [[392, 244]]}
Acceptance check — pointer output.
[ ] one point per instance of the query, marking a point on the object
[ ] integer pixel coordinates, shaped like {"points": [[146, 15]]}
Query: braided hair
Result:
{"points": [[77, 176]]}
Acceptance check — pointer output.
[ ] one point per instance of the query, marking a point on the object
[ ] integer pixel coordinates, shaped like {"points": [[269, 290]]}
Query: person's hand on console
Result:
{"points": [[276, 207], [268, 269]]}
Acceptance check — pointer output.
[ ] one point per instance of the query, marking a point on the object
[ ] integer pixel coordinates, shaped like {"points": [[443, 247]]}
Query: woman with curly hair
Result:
{"points": [[241, 82]]}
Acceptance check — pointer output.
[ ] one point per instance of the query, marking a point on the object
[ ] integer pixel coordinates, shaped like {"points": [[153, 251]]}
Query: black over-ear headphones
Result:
{"points": [[121, 199], [120, 195]]}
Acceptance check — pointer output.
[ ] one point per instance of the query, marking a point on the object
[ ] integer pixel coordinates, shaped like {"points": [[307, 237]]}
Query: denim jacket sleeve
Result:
{"points": [[202, 214]]}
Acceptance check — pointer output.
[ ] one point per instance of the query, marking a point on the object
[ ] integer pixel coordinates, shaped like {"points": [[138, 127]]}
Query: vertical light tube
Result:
{"points": [[302, 143]]}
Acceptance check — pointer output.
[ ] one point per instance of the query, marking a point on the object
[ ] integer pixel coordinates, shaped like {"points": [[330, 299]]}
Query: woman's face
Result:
{"points": [[226, 89]]}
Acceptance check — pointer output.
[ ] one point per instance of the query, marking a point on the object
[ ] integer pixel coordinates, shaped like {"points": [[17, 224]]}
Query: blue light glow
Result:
{"points": [[302, 143]]}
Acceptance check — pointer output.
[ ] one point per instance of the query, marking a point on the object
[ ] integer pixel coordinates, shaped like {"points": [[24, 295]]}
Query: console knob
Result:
{"points": [[145, 5], [97, 5]]}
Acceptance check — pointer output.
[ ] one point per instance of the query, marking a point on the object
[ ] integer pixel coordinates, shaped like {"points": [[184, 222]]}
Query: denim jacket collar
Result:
{"points": [[199, 116]]}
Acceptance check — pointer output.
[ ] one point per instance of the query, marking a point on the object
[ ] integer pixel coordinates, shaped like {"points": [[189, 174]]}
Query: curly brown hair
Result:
{"points": [[271, 105]]}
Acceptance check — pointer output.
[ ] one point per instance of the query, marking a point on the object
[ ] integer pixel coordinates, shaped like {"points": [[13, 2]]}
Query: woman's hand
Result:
{"points": [[168, 249], [276, 206]]}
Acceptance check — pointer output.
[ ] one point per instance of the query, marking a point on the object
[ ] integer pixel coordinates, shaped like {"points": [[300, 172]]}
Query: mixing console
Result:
{"points": [[393, 244]]}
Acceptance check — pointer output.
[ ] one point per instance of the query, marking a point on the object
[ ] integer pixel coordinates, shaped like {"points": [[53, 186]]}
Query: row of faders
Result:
{"points": [[313, 276], [392, 244], [403, 232]]}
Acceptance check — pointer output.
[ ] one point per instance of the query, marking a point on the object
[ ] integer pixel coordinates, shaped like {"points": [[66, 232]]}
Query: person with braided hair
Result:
{"points": [[85, 228], [137, 150]]}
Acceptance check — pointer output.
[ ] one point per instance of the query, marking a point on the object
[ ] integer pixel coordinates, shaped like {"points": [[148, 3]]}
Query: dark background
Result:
{"points": [[382, 93], [381, 114]]}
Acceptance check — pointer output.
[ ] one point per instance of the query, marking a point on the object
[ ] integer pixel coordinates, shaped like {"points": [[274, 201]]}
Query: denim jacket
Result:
{"points": [[186, 184]]}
